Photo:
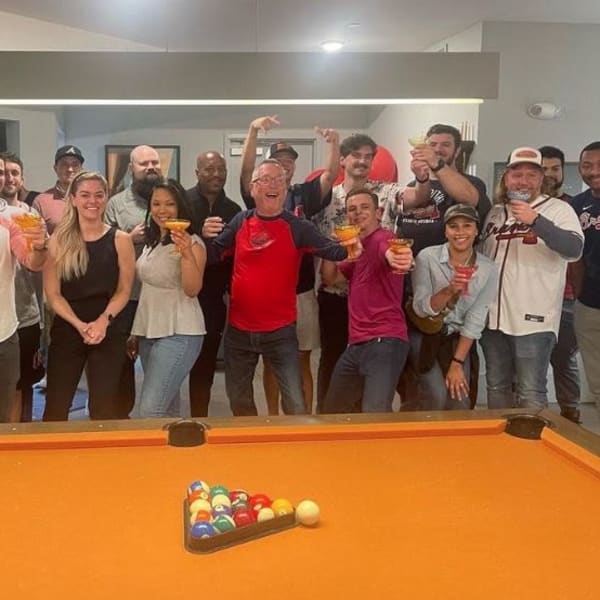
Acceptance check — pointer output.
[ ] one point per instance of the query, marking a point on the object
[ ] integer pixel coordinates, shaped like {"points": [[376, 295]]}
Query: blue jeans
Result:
{"points": [[522, 357], [366, 375], [433, 392], [564, 360], [280, 347], [166, 363]]}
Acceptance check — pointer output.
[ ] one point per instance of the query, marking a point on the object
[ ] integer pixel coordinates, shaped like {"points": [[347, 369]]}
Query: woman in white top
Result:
{"points": [[168, 325]]}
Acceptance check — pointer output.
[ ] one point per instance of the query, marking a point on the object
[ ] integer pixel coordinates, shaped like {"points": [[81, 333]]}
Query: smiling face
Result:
{"points": [[362, 211], [211, 171], [13, 179], [90, 199], [269, 189], [461, 233], [526, 178], [589, 169], [163, 207], [145, 164]]}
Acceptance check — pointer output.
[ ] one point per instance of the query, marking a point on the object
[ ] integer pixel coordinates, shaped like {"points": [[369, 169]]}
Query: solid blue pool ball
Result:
{"points": [[202, 529]]}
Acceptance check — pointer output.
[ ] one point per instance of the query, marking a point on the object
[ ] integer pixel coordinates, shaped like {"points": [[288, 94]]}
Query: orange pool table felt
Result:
{"points": [[417, 506]]}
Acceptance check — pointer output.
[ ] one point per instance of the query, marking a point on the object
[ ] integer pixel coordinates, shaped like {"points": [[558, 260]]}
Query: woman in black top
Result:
{"points": [[87, 282]]}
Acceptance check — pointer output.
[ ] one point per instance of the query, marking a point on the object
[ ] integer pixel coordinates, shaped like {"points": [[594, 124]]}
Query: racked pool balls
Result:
{"points": [[243, 517], [199, 504], [223, 523], [217, 490], [259, 501], [201, 487], [221, 509], [265, 514]]}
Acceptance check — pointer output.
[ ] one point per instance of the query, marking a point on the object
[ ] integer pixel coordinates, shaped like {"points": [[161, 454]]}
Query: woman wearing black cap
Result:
{"points": [[453, 287]]}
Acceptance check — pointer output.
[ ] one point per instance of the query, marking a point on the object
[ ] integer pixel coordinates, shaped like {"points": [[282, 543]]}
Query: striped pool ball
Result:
{"points": [[241, 494], [223, 523], [217, 490], [239, 503], [201, 487], [199, 504], [221, 509], [220, 500]]}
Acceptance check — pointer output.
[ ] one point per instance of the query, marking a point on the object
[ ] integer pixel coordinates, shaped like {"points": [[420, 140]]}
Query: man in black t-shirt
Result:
{"points": [[304, 200]]}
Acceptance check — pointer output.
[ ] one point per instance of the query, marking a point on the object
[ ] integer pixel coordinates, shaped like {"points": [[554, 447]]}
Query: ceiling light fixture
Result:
{"points": [[332, 45]]}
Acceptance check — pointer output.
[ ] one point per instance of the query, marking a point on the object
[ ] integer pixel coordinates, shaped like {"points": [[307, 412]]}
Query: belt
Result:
{"points": [[373, 340]]}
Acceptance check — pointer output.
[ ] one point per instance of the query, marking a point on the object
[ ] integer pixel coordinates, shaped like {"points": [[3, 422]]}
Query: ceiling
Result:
{"points": [[293, 26]]}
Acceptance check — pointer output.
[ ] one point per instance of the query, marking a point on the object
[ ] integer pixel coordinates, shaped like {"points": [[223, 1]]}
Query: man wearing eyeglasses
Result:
{"points": [[305, 200], [267, 244]]}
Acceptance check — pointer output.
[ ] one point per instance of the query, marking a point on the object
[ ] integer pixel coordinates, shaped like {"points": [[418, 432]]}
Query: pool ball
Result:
{"points": [[307, 513], [238, 503], [199, 504], [265, 514], [243, 517], [223, 523], [217, 490], [220, 499], [281, 507], [202, 486], [259, 501], [197, 494], [241, 494], [202, 529], [221, 509], [200, 515]]}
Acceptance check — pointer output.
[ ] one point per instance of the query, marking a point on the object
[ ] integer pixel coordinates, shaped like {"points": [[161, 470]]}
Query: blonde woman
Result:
{"points": [[87, 281]]}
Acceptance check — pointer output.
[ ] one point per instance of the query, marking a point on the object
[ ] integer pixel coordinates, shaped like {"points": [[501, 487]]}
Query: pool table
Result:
{"points": [[419, 506]]}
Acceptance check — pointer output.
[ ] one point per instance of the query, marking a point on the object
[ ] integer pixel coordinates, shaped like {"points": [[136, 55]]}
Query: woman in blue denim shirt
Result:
{"points": [[442, 287]]}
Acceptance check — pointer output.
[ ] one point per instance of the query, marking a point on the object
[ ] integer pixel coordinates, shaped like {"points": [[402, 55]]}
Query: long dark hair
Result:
{"points": [[184, 211]]}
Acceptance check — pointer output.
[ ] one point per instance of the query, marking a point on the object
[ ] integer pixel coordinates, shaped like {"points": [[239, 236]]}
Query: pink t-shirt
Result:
{"points": [[51, 206], [375, 293]]}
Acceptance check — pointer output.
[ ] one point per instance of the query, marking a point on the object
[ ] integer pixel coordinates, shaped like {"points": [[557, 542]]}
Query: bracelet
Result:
{"points": [[422, 180], [457, 360]]}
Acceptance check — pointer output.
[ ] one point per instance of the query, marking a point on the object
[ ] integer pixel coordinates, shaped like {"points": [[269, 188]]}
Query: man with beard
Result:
{"points": [[68, 161], [28, 294], [564, 356], [531, 237], [212, 209], [127, 211], [587, 276]]}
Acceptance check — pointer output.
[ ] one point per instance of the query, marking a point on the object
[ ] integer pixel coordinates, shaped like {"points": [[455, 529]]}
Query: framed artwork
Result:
{"points": [[116, 161], [572, 181]]}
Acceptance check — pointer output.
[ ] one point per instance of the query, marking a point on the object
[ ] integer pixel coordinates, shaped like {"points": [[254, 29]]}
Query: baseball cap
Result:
{"points": [[524, 155], [68, 151], [461, 210], [281, 147]]}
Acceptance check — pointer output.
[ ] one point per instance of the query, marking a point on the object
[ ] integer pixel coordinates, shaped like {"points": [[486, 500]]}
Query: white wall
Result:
{"points": [[468, 40], [540, 62], [24, 33]]}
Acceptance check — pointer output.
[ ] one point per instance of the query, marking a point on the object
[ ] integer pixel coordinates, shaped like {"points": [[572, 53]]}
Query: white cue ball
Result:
{"points": [[307, 513]]}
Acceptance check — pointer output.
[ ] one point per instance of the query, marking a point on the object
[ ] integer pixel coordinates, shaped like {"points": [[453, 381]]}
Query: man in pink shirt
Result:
{"points": [[366, 374], [68, 161]]}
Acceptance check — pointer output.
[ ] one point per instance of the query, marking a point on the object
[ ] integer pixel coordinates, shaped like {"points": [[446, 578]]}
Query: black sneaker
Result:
{"points": [[573, 414]]}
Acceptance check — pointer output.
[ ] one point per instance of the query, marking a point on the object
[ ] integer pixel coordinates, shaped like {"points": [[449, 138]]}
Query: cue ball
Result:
{"points": [[307, 513]]}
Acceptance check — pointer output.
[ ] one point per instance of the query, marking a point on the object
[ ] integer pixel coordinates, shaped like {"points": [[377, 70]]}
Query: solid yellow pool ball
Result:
{"points": [[281, 507]]}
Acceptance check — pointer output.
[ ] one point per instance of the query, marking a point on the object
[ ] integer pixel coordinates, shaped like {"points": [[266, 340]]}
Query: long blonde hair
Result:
{"points": [[72, 257]]}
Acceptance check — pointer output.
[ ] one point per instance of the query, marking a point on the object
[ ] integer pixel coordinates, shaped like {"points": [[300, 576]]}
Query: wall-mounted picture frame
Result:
{"points": [[572, 184], [116, 164]]}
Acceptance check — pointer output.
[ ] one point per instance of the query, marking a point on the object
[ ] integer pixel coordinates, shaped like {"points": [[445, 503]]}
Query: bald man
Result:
{"points": [[127, 211], [212, 210]]}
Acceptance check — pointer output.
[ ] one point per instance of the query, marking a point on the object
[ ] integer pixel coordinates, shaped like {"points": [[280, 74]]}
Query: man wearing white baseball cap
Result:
{"points": [[531, 237]]}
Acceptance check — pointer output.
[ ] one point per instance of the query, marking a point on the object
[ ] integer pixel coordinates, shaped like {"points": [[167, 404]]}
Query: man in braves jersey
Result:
{"points": [[587, 281], [268, 244], [531, 237]]}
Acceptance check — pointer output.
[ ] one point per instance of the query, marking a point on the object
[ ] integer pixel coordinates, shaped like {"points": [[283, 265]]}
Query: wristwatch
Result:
{"points": [[441, 164]]}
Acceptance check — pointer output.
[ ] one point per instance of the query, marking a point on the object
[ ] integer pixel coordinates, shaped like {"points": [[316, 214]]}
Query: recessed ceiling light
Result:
{"points": [[332, 45], [353, 25]]}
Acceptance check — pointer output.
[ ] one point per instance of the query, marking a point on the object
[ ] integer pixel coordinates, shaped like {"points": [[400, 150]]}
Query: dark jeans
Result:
{"points": [[333, 323], [280, 347], [202, 374], [9, 374], [67, 357], [126, 393], [564, 361], [29, 344], [367, 374]]}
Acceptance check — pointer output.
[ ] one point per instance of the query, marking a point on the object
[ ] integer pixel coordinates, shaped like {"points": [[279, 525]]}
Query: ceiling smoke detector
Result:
{"points": [[544, 111]]}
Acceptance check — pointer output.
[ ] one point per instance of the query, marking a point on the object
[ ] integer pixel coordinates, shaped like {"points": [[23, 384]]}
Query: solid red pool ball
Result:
{"points": [[259, 501], [243, 517]]}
